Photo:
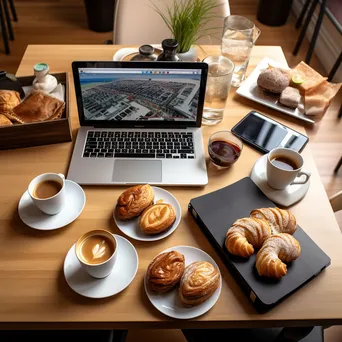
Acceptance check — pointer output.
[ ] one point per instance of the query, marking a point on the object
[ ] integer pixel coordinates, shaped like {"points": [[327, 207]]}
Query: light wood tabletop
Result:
{"points": [[33, 291]]}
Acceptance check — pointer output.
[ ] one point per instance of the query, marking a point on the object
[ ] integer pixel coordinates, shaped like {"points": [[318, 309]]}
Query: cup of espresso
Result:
{"points": [[284, 167], [48, 192], [97, 252]]}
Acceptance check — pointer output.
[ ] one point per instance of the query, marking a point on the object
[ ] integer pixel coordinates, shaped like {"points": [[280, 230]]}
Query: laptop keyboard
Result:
{"points": [[172, 145]]}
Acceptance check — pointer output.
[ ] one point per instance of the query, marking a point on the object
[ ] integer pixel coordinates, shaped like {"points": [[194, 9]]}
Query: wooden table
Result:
{"points": [[33, 292]]}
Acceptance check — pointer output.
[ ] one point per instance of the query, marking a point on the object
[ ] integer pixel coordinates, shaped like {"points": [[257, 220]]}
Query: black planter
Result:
{"points": [[274, 12], [100, 14]]}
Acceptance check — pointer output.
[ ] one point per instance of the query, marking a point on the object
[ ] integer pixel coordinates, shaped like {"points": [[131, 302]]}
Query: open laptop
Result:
{"points": [[140, 123]]}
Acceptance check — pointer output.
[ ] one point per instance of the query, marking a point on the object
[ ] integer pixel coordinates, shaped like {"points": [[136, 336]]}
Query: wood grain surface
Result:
{"points": [[33, 292]]}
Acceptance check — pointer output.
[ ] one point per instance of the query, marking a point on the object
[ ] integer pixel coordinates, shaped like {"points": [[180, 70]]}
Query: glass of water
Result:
{"points": [[220, 73], [238, 38]]}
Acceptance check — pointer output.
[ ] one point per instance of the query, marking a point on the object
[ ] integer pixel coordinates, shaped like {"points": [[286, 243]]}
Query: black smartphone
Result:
{"points": [[265, 134]]}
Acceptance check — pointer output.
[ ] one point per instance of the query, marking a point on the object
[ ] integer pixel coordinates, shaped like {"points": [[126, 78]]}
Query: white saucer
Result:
{"points": [[290, 195], [36, 219], [131, 228], [169, 303], [123, 273]]}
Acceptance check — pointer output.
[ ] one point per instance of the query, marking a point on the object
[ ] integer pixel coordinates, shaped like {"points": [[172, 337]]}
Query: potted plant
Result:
{"points": [[188, 21]]}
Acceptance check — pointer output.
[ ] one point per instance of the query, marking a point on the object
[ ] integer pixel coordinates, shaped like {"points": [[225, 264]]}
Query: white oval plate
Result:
{"points": [[124, 52], [131, 228], [123, 273], [169, 303], [36, 219]]}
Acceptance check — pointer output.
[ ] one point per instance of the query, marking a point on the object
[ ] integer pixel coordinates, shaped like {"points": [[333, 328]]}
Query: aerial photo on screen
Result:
{"points": [[151, 95]]}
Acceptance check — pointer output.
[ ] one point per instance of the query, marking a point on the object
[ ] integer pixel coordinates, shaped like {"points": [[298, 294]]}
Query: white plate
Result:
{"points": [[290, 195], [169, 303], [36, 219], [124, 52], [123, 273], [131, 228], [252, 91]]}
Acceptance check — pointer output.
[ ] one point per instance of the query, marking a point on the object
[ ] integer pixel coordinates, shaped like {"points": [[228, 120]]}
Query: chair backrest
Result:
{"points": [[336, 201], [136, 22]]}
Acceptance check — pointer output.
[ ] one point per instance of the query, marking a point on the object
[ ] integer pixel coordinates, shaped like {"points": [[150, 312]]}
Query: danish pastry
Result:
{"points": [[37, 107], [276, 250], [4, 121], [8, 100], [245, 235], [133, 201], [280, 221], [157, 218], [199, 281], [165, 271]]}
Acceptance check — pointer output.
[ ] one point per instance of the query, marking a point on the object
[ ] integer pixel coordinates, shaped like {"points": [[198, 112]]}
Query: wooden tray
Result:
{"points": [[39, 133]]}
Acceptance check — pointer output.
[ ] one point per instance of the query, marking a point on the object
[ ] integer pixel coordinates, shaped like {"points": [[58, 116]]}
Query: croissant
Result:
{"points": [[133, 201], [198, 283], [280, 221], [157, 218], [165, 271], [276, 250], [245, 234]]}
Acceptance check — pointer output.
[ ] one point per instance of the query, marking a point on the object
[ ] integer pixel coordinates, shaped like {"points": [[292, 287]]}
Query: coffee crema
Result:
{"points": [[284, 163], [96, 249], [47, 189]]}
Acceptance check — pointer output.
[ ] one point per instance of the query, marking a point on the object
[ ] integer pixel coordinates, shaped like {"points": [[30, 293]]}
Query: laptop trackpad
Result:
{"points": [[137, 171]]}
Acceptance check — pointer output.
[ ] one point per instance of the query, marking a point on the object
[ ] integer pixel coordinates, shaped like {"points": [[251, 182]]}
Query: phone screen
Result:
{"points": [[267, 134]]}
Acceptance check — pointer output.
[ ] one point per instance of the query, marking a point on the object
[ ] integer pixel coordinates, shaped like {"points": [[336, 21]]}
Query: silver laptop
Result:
{"points": [[140, 123]]}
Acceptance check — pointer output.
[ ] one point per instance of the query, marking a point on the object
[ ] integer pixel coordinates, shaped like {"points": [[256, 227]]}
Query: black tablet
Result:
{"points": [[265, 134]]}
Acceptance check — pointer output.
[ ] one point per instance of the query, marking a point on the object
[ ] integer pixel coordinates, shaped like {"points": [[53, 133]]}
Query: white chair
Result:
{"points": [[137, 23], [336, 201]]}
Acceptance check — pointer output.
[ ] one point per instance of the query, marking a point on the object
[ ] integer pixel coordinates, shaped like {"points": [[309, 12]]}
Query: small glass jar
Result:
{"points": [[169, 51], [146, 54]]}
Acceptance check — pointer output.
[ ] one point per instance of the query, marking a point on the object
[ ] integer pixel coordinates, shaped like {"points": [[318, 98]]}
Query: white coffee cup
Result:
{"points": [[279, 178], [102, 269], [51, 205]]}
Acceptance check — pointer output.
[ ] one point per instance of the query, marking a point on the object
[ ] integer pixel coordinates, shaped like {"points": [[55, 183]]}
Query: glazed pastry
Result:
{"points": [[280, 221], [157, 218], [165, 271], [37, 107], [8, 100], [199, 281], [245, 235], [133, 201], [4, 121], [276, 250]]}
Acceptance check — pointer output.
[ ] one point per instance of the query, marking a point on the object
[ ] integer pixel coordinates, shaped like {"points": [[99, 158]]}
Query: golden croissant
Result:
{"points": [[276, 250], [133, 201], [280, 221], [198, 283], [245, 235], [165, 271]]}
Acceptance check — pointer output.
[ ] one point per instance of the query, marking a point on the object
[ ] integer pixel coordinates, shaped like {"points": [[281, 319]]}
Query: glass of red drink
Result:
{"points": [[224, 148]]}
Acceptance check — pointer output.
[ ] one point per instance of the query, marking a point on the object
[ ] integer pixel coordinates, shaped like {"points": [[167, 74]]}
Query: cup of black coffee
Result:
{"points": [[224, 148], [284, 167], [47, 192]]}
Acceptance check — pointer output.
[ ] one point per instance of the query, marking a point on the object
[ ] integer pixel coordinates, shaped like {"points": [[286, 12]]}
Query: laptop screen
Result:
{"points": [[141, 94]]}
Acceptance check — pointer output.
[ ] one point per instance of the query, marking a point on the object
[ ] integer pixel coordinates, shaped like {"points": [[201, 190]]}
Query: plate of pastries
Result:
{"points": [[147, 213], [183, 282], [268, 232], [36, 107], [301, 91]]}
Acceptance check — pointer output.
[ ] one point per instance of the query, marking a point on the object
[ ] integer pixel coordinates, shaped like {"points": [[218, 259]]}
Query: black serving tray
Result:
{"points": [[215, 213]]}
